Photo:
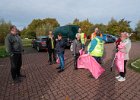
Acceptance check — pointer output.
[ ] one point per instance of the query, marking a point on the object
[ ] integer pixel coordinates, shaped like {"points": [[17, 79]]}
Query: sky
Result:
{"points": [[22, 12]]}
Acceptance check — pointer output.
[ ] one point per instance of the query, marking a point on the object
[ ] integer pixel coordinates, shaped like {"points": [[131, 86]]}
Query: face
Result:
{"points": [[123, 36], [96, 30], [78, 37], [59, 37], [50, 32], [14, 31], [79, 30]]}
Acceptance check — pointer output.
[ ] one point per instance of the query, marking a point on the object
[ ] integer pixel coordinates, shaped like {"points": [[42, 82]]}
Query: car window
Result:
{"points": [[44, 39]]}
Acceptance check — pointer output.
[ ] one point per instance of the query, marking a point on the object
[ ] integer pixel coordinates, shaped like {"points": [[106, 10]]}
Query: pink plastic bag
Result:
{"points": [[57, 61], [120, 58], [88, 62]]}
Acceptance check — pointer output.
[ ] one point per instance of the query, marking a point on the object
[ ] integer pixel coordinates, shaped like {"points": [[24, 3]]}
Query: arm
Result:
{"points": [[74, 47], [8, 45], [93, 44], [85, 38]]}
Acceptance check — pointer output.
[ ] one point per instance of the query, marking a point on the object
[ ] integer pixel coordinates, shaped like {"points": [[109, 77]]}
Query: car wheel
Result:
{"points": [[38, 49]]}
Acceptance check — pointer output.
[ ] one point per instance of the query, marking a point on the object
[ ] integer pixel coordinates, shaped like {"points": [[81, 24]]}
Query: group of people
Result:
{"points": [[56, 50]]}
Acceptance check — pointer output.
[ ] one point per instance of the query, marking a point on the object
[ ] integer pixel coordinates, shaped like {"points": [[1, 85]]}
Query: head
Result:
{"points": [[79, 30], [78, 36], [50, 33], [13, 30], [98, 33], [96, 30], [59, 36], [124, 35]]}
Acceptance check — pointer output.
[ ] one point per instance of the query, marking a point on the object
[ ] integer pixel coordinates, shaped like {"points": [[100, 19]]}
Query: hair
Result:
{"points": [[98, 33], [12, 26], [60, 34]]}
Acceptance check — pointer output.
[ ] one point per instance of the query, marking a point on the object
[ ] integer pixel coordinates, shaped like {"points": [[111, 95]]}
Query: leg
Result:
{"points": [[13, 67], [19, 63], [54, 55], [61, 58], [123, 73], [50, 56], [75, 60]]}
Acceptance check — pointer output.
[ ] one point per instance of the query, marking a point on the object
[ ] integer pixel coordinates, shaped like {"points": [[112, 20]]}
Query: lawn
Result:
{"points": [[26, 43], [135, 65]]}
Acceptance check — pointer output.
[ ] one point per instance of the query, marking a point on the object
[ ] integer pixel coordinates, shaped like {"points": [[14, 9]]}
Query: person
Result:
{"points": [[14, 47], [124, 39], [77, 46], [93, 35], [96, 47], [60, 48], [83, 38], [50, 43]]}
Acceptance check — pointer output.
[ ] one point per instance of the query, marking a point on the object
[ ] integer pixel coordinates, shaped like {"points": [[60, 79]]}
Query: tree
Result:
{"points": [[114, 27], [84, 25], [137, 29], [39, 27], [4, 29]]}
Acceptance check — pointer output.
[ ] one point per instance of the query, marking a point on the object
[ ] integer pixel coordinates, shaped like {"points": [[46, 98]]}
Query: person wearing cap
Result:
{"points": [[124, 39], [14, 47], [50, 43], [77, 46], [83, 38], [93, 35], [96, 47]]}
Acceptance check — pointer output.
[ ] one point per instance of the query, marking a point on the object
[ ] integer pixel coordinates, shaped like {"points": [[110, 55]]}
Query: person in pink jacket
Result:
{"points": [[124, 48]]}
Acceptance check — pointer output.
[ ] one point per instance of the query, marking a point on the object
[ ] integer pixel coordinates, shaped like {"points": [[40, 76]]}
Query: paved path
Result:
{"points": [[44, 83]]}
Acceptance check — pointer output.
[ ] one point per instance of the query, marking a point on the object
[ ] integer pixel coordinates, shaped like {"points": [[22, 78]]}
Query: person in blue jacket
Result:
{"points": [[60, 48]]}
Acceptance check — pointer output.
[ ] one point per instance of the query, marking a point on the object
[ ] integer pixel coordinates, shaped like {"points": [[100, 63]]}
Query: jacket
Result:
{"points": [[13, 44], [60, 46], [49, 44]]}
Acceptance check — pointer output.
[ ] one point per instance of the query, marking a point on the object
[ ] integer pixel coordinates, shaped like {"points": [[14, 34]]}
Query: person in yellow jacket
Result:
{"points": [[83, 38], [96, 47], [93, 35]]}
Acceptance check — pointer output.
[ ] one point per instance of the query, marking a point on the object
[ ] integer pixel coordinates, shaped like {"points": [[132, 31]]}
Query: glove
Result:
{"points": [[88, 53]]}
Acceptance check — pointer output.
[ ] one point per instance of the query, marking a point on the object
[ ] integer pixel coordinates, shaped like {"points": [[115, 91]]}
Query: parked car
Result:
{"points": [[109, 38], [39, 43], [68, 32]]}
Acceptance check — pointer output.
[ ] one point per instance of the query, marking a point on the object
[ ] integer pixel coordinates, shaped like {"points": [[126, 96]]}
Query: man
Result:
{"points": [[96, 47], [14, 47], [93, 35], [50, 43], [60, 47], [83, 38], [76, 47], [124, 39]]}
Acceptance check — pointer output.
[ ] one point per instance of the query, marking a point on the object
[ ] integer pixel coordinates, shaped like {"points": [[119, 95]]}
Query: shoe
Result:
{"points": [[61, 70], [121, 79], [17, 80], [22, 76], [50, 63], [117, 77], [58, 67], [76, 68]]}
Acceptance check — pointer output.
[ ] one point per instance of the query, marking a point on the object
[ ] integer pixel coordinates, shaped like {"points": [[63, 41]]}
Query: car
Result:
{"points": [[109, 38], [39, 43]]}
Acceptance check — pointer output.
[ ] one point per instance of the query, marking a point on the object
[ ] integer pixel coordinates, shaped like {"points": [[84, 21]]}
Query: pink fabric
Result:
{"points": [[57, 61], [120, 58], [88, 62]]}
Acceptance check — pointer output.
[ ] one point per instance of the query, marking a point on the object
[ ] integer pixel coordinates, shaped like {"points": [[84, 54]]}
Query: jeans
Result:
{"points": [[61, 58]]}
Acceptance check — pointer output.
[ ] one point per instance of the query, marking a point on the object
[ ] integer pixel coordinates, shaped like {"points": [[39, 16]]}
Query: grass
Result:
{"points": [[3, 53], [135, 64]]}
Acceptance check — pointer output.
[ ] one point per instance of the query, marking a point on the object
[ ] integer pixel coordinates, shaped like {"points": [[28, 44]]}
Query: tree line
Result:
{"points": [[42, 26]]}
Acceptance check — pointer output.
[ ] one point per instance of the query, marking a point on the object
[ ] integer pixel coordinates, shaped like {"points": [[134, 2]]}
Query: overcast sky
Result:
{"points": [[22, 12]]}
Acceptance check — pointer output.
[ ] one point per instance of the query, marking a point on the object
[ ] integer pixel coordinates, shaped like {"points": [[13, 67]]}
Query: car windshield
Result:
{"points": [[44, 39]]}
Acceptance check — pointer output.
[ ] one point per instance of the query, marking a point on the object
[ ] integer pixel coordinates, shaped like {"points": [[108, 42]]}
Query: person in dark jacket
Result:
{"points": [[51, 42], [77, 46], [60, 48], [14, 47]]}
